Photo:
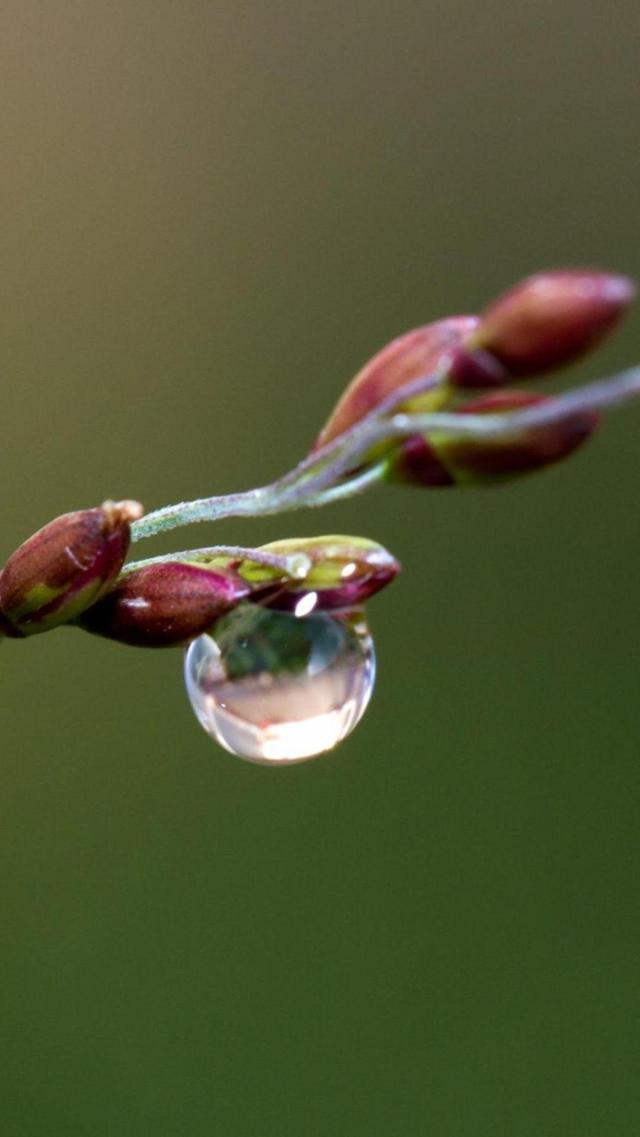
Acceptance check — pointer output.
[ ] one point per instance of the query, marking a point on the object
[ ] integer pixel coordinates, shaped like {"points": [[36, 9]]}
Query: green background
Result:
{"points": [[210, 215]]}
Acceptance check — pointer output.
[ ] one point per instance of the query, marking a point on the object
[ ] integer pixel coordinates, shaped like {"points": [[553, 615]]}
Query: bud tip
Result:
{"points": [[117, 513]]}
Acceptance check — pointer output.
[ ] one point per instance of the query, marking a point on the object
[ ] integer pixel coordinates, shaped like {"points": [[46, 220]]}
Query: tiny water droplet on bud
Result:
{"points": [[275, 688]]}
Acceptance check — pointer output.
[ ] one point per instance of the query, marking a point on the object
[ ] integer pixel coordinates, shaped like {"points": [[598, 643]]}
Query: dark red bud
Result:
{"points": [[550, 320], [532, 450], [416, 353], [473, 370], [164, 605], [416, 463], [65, 567], [448, 460]]}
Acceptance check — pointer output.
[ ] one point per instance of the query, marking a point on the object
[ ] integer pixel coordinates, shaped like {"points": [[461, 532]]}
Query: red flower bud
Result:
{"points": [[65, 567], [162, 605], [418, 352], [471, 370], [546, 321], [448, 460]]}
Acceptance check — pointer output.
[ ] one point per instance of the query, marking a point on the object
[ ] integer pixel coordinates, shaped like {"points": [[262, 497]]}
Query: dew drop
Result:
{"points": [[276, 688]]}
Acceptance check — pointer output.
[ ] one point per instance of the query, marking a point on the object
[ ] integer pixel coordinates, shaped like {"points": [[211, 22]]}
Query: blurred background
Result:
{"points": [[211, 214]]}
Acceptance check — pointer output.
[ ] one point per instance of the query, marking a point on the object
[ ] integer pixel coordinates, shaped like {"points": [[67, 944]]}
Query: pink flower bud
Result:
{"points": [[416, 353], [547, 321]]}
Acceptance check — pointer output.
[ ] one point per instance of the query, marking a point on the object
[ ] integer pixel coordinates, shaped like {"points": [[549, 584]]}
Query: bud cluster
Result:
{"points": [[169, 603], [72, 571], [69, 572], [544, 323]]}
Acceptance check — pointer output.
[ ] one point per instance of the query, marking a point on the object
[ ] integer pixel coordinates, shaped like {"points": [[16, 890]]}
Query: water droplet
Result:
{"points": [[276, 688]]}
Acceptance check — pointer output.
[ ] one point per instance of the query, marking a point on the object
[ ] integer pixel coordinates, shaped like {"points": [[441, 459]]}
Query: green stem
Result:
{"points": [[296, 566], [297, 488], [324, 476], [357, 484]]}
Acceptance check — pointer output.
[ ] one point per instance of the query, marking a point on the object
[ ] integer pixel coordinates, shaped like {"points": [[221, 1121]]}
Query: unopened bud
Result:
{"points": [[410, 356], [544, 322], [165, 604], [65, 567], [343, 572], [448, 461]]}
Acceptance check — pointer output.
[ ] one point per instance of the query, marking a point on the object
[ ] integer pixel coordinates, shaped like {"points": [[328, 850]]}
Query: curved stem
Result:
{"points": [[296, 566], [294, 489], [355, 485], [599, 395], [319, 478]]}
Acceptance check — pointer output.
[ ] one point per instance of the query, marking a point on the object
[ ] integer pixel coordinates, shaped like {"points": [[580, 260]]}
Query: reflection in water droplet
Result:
{"points": [[276, 688]]}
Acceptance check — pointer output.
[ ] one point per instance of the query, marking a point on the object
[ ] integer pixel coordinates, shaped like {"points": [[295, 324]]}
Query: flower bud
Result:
{"points": [[416, 353], [447, 460], [342, 572], [65, 567], [164, 604], [544, 322], [476, 369]]}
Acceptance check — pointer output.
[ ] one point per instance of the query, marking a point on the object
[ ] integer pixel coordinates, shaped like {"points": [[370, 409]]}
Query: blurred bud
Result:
{"points": [[341, 572], [419, 352], [544, 322], [65, 567], [447, 460], [472, 369], [166, 604]]}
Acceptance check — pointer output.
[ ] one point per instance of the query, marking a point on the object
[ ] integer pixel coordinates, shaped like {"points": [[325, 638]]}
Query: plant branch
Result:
{"points": [[296, 565], [320, 478]]}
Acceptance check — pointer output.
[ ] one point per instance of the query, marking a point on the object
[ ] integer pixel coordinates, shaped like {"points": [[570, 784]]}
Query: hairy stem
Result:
{"points": [[296, 565], [294, 490], [324, 476]]}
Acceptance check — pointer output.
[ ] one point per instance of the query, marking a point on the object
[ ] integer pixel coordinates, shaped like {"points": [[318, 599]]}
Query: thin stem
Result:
{"points": [[355, 485], [296, 566], [506, 426], [319, 478], [292, 488], [601, 394]]}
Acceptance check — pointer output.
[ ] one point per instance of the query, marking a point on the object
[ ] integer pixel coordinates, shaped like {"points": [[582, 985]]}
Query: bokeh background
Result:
{"points": [[211, 214]]}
